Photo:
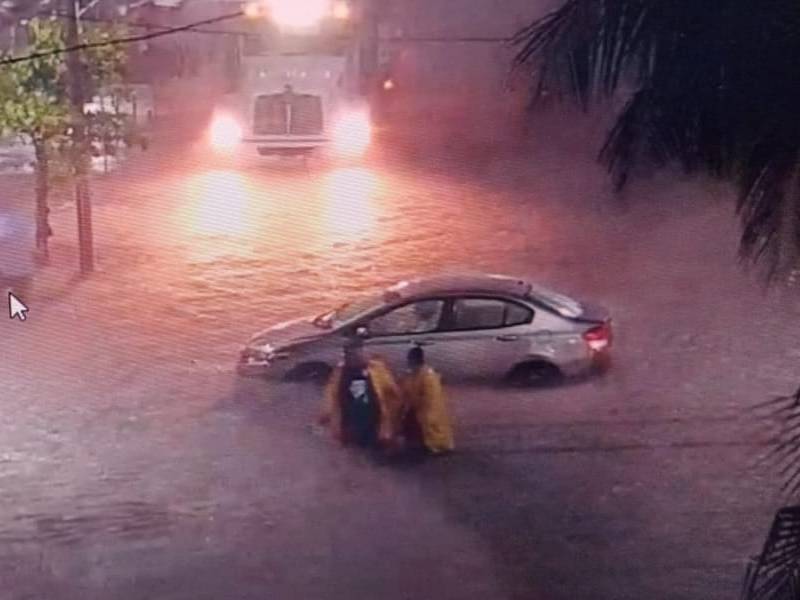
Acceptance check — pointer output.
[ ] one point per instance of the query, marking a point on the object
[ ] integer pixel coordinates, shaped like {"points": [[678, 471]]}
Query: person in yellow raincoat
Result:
{"points": [[426, 414], [362, 401]]}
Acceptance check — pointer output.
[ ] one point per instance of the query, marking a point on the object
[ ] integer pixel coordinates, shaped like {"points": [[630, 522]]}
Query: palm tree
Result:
{"points": [[715, 90], [775, 573]]}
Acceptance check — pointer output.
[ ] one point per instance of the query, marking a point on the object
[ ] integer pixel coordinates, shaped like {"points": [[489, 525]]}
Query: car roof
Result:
{"points": [[459, 284], [481, 283]]}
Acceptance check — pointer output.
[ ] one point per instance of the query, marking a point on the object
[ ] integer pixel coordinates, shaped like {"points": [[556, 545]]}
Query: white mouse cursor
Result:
{"points": [[16, 308]]}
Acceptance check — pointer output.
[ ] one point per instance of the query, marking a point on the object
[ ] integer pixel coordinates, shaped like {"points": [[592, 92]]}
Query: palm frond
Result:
{"points": [[587, 45], [775, 574], [769, 207], [783, 412], [715, 91]]}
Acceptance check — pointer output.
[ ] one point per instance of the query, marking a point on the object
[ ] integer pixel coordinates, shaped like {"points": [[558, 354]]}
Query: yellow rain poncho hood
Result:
{"points": [[389, 400], [423, 393]]}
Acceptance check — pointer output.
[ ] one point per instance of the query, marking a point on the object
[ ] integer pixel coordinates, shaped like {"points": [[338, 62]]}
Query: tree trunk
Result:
{"points": [[42, 192], [80, 150]]}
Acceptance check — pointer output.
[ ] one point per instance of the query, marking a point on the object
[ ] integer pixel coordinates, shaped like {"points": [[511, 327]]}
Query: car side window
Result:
{"points": [[516, 314], [487, 313], [478, 313], [416, 317]]}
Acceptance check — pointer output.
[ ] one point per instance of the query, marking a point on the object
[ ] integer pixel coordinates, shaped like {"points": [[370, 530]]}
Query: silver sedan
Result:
{"points": [[471, 327]]}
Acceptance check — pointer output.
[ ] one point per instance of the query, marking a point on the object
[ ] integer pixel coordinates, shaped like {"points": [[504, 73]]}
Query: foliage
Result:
{"points": [[714, 90], [784, 442], [105, 64], [33, 103], [33, 94], [775, 574]]}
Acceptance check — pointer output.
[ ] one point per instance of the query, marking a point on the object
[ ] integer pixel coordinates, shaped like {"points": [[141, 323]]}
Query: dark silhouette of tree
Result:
{"points": [[714, 90]]}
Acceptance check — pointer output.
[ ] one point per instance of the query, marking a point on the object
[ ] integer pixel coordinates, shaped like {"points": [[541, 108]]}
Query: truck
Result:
{"points": [[296, 94]]}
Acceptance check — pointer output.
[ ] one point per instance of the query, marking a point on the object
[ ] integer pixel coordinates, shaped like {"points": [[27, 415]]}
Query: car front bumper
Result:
{"points": [[259, 364], [251, 368]]}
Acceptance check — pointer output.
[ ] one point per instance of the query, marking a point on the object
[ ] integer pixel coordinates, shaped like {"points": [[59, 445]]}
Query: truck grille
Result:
{"points": [[269, 115], [295, 114]]}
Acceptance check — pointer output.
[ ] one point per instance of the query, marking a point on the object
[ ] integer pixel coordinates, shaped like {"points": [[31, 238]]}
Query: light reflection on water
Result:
{"points": [[233, 234], [350, 205], [222, 203], [268, 245]]}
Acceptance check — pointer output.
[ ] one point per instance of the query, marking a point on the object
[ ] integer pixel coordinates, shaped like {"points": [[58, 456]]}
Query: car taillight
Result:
{"points": [[598, 338]]}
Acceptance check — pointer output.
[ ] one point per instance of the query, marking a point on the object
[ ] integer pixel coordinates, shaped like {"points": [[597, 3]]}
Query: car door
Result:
{"points": [[391, 334], [483, 336]]}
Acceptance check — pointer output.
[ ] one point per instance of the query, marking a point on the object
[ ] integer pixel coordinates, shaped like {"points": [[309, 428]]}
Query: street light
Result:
{"points": [[341, 10]]}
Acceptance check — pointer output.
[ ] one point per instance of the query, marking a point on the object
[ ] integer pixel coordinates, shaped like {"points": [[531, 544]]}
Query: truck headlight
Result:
{"points": [[225, 132], [352, 133]]}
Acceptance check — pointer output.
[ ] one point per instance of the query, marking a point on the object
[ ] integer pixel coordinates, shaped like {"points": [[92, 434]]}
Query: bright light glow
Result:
{"points": [[222, 205], [341, 11], [298, 13], [253, 10], [352, 207], [598, 345], [352, 134], [388, 85], [225, 132]]}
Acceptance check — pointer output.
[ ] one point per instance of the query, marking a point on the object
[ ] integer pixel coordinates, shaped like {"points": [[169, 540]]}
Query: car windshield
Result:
{"points": [[564, 305], [346, 312]]}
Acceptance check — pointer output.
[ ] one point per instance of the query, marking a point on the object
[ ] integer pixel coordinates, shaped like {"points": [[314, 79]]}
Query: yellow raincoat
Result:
{"points": [[424, 395], [389, 401]]}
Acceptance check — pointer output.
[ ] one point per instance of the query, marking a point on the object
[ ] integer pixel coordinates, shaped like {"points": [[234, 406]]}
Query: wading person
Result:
{"points": [[426, 422], [362, 401]]}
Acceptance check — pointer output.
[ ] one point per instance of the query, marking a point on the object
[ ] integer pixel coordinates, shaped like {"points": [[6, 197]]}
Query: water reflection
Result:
{"points": [[221, 204], [350, 205], [219, 215]]}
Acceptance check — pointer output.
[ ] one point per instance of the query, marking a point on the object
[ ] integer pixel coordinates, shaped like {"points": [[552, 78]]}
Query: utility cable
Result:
{"points": [[146, 25], [119, 41]]}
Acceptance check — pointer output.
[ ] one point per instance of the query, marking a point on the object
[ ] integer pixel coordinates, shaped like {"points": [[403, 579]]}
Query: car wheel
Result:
{"points": [[313, 372], [535, 374]]}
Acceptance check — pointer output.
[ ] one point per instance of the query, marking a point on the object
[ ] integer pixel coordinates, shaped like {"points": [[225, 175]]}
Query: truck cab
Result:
{"points": [[295, 94]]}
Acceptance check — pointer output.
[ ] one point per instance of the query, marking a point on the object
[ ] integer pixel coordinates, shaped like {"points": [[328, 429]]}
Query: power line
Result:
{"points": [[449, 40], [145, 25], [120, 41], [192, 27]]}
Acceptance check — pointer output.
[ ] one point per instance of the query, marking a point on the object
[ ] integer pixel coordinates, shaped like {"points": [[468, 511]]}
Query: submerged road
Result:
{"points": [[134, 463]]}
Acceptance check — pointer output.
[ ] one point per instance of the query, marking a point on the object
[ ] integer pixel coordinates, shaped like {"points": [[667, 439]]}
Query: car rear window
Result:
{"points": [[516, 314], [563, 305]]}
